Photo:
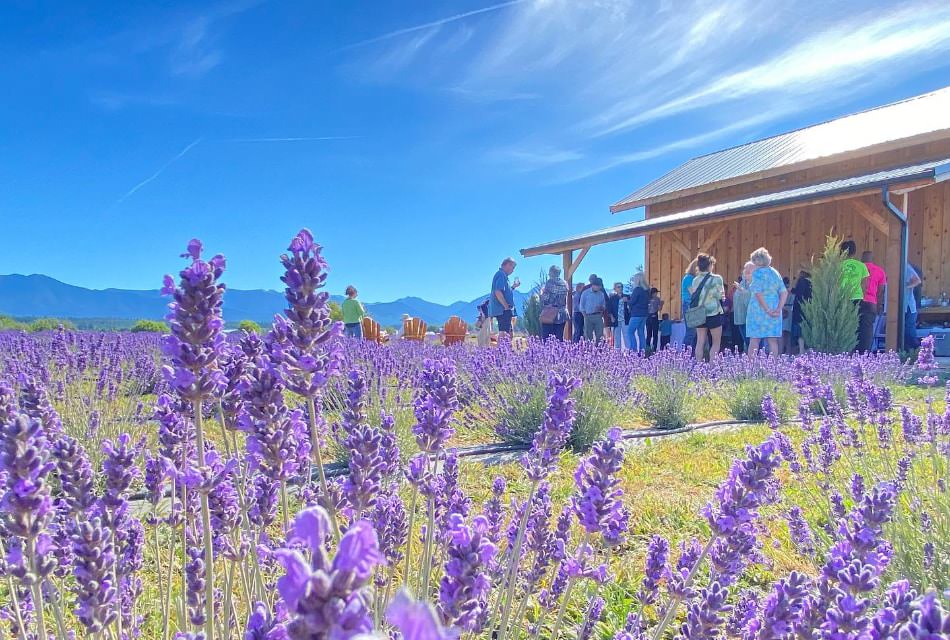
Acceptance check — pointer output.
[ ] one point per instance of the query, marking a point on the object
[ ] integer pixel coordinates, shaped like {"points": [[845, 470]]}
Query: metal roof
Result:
{"points": [[909, 118], [929, 171]]}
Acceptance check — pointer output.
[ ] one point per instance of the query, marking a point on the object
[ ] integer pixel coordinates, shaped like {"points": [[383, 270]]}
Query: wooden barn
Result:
{"points": [[876, 177]]}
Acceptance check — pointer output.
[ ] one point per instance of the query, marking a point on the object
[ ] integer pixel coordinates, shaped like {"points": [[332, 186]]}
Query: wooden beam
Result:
{"points": [[577, 262], [679, 245], [707, 244], [867, 212], [624, 233]]}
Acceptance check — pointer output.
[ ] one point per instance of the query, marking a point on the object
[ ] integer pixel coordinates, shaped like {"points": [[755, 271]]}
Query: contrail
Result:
{"points": [[301, 139], [156, 174], [429, 25]]}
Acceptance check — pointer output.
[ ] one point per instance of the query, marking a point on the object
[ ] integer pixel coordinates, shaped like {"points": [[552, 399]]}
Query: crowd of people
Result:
{"points": [[759, 310]]}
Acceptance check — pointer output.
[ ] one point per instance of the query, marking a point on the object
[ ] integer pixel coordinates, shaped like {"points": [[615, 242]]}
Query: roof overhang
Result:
{"points": [[908, 178], [633, 202]]}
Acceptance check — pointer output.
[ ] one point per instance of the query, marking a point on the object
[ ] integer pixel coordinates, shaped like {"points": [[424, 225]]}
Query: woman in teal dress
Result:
{"points": [[764, 319]]}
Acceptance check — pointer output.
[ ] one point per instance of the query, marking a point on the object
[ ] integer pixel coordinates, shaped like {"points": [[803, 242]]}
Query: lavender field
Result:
{"points": [[298, 484]]}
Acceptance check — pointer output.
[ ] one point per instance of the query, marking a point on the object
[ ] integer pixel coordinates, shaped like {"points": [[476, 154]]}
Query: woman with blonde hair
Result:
{"points": [[637, 311], [708, 291], [764, 318]]}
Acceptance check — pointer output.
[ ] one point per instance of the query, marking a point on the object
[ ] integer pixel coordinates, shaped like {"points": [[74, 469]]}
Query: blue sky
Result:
{"points": [[422, 142]]}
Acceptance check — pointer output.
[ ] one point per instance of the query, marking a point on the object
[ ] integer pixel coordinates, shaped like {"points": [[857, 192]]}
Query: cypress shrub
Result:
{"points": [[829, 319]]}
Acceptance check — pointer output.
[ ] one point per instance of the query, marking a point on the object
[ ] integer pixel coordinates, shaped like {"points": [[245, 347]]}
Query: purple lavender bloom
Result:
{"points": [[75, 473], [782, 609], [800, 531], [926, 363], [928, 621], [750, 485], [597, 503], [119, 468], [435, 405], [897, 608], [93, 565], [27, 506], [857, 487], [744, 612], [416, 620], [657, 569], [263, 625], [324, 598], [307, 339], [463, 591], [494, 509], [389, 521], [196, 341], [705, 614], [770, 412], [555, 428], [592, 617], [277, 439], [195, 577], [364, 443], [689, 555]]}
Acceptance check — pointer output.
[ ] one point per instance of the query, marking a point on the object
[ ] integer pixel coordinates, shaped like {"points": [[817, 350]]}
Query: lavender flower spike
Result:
{"points": [[464, 589], [437, 401], [416, 620], [555, 428], [597, 503]]}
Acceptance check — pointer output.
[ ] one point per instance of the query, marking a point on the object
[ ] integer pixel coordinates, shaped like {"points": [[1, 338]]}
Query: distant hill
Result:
{"points": [[41, 296]]}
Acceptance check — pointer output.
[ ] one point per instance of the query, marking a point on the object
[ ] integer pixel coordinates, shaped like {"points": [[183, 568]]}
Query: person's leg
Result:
{"points": [[866, 315], [773, 346], [740, 338], [753, 346], [629, 333], [910, 330], [716, 343], [588, 327], [618, 336], [504, 322], [546, 330], [664, 342], [642, 335], [690, 339], [578, 326], [358, 331], [650, 332], [700, 351], [599, 329]]}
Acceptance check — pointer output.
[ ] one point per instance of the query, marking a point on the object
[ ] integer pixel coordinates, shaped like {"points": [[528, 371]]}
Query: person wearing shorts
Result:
{"points": [[711, 290]]}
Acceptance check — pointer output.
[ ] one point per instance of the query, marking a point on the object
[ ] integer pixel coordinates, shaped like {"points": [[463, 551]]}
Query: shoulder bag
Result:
{"points": [[695, 316]]}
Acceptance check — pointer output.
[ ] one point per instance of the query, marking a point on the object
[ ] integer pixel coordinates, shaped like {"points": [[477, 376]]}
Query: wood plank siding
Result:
{"points": [[793, 236]]}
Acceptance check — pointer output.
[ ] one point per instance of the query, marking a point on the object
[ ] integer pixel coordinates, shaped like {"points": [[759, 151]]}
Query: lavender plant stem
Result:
{"points": [[318, 460], [38, 603], [512, 580], [675, 600], [412, 518], [284, 505], [567, 594], [166, 627], [205, 530]]}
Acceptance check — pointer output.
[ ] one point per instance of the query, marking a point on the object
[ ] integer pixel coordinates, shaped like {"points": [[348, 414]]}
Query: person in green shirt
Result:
{"points": [[353, 313], [853, 272], [854, 277]]}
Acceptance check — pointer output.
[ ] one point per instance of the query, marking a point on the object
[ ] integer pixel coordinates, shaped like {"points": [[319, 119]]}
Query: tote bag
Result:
{"points": [[695, 316]]}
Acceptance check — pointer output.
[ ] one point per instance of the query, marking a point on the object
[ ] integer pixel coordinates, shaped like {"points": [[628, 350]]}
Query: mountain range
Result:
{"points": [[38, 295]]}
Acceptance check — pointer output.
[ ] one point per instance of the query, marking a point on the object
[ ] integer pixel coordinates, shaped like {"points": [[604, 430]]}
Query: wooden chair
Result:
{"points": [[414, 329], [372, 330], [454, 331]]}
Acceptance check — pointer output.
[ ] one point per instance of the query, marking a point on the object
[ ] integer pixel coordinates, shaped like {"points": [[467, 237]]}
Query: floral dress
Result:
{"points": [[758, 324]]}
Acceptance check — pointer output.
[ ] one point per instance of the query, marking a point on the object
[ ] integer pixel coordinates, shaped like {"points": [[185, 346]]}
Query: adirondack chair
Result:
{"points": [[454, 331], [414, 329], [372, 330]]}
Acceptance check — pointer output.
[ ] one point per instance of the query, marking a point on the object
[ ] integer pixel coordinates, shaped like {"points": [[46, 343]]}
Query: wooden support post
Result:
{"points": [[566, 259], [895, 274]]}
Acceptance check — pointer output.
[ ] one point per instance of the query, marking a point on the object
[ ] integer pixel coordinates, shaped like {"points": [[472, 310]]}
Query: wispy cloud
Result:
{"points": [[430, 25], [598, 72], [178, 156]]}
